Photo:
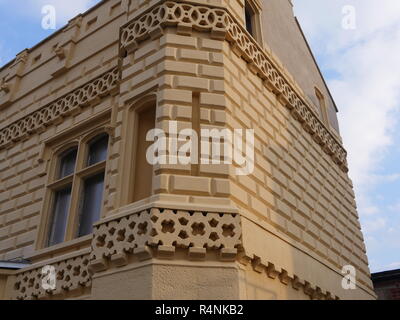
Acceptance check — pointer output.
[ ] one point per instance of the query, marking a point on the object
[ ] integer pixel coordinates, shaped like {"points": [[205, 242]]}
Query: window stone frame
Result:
{"points": [[256, 7], [53, 148]]}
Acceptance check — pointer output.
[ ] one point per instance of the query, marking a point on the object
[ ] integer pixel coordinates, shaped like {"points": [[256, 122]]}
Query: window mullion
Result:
{"points": [[59, 184], [92, 170], [75, 195], [74, 208]]}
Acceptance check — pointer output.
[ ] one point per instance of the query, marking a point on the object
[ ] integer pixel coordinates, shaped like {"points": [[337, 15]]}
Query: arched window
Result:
{"points": [[67, 163], [77, 190], [252, 20], [93, 186], [98, 149], [62, 196], [143, 173], [249, 16], [138, 178]]}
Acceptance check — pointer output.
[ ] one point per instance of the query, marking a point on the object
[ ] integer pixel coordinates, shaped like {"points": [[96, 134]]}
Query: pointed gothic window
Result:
{"points": [[76, 190], [252, 20]]}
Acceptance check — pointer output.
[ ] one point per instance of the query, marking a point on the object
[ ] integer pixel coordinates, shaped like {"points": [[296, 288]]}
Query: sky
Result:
{"points": [[21, 22], [357, 45]]}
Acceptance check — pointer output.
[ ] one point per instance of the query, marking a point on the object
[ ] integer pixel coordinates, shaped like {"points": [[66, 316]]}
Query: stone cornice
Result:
{"points": [[223, 25], [70, 104], [161, 232], [272, 272], [71, 274]]}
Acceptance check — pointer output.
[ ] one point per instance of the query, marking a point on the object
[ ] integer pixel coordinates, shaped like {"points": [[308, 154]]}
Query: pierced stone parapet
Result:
{"points": [[222, 24], [172, 14], [67, 105], [164, 231], [71, 274]]}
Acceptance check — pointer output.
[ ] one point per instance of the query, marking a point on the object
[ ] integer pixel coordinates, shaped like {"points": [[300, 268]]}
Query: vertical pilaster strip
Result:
{"points": [[196, 128]]}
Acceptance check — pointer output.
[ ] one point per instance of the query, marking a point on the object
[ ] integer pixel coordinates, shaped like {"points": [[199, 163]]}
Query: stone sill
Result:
{"points": [[58, 251]]}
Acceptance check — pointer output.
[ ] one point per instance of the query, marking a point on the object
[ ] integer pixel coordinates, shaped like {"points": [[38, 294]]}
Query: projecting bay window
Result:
{"points": [[76, 190], [139, 172]]}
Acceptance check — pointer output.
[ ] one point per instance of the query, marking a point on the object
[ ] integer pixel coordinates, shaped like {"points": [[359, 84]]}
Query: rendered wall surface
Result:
{"points": [[284, 37], [283, 232]]}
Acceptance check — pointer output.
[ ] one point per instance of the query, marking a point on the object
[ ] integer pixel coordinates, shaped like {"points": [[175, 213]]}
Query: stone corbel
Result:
{"points": [[5, 86], [9, 84], [43, 161], [64, 50], [5, 93], [110, 130], [60, 52], [272, 272]]}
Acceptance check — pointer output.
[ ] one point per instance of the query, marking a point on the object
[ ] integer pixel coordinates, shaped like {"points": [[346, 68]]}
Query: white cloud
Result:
{"points": [[367, 92], [392, 266], [395, 207], [388, 267], [370, 210], [374, 225]]}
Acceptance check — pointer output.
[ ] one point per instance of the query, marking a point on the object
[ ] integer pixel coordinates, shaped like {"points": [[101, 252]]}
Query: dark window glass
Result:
{"points": [[91, 204], [60, 216], [67, 163], [249, 19], [98, 150]]}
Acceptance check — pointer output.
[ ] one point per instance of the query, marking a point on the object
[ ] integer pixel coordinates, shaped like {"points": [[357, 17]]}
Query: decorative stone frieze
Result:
{"points": [[165, 230], [63, 107], [182, 15], [71, 274], [221, 23]]}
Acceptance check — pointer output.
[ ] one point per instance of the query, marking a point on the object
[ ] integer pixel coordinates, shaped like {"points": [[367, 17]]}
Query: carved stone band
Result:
{"points": [[62, 107], [174, 14], [221, 24], [70, 275], [165, 230]]}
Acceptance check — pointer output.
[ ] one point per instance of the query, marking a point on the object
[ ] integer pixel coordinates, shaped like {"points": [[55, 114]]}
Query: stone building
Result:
{"points": [[387, 284], [78, 196]]}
